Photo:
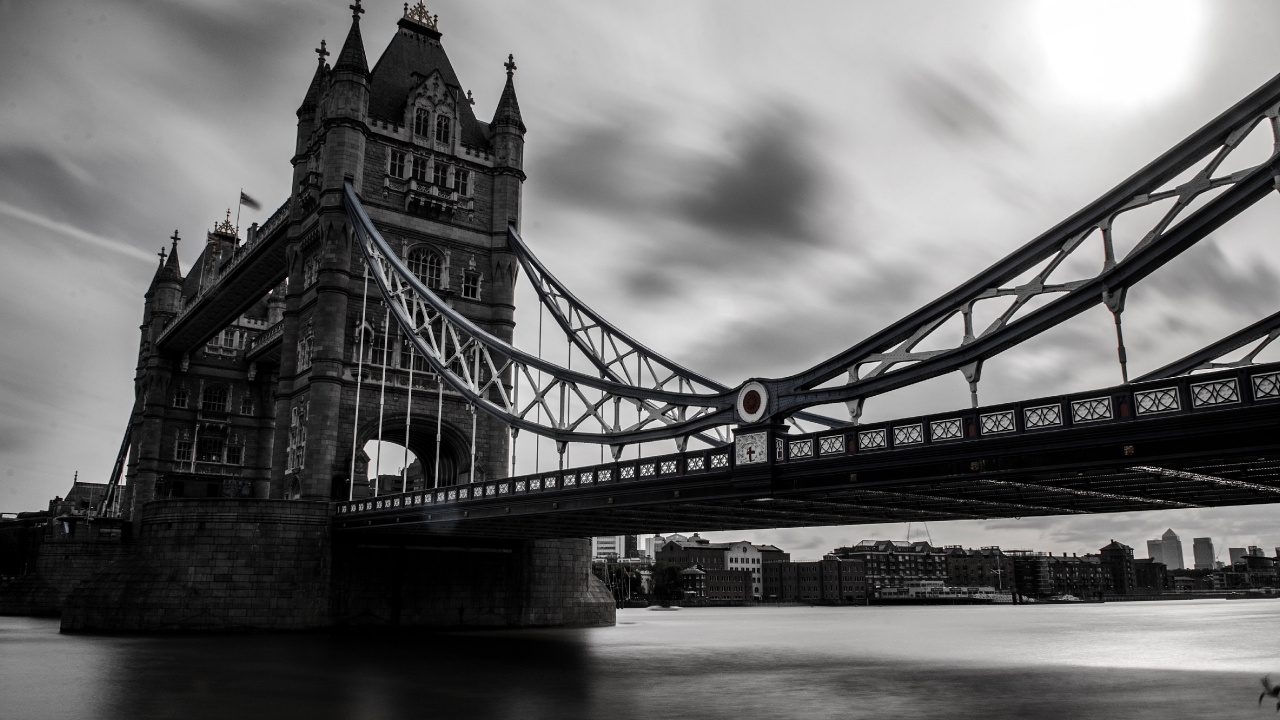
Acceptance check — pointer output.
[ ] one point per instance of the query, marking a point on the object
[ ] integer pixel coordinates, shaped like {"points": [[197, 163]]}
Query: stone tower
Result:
{"points": [[263, 401]]}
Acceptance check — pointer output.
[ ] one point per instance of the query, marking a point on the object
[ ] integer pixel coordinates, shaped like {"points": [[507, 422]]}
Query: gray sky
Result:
{"points": [[746, 190]]}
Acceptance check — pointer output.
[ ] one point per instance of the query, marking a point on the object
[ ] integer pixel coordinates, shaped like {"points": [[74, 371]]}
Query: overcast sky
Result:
{"points": [[746, 189]]}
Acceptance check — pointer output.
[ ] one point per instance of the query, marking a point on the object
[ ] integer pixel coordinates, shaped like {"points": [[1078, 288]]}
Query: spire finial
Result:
{"points": [[420, 15], [356, 11], [510, 65], [322, 51], [174, 237], [470, 99], [162, 255]]}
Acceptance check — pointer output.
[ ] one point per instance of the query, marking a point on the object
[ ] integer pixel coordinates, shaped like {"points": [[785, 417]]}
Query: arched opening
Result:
{"points": [[425, 472]]}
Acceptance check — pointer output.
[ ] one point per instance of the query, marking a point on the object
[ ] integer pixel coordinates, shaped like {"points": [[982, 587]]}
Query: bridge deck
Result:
{"points": [[1199, 441]]}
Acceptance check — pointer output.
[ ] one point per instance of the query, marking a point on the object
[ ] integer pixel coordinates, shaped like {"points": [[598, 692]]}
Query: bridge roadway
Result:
{"points": [[1195, 441], [258, 265]]}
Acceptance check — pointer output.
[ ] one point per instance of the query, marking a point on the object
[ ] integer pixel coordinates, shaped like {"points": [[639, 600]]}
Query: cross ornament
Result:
{"points": [[162, 255], [322, 51], [510, 64], [175, 237], [356, 10], [751, 453]]}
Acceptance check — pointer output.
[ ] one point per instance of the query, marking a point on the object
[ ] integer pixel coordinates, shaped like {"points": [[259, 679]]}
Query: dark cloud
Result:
{"points": [[964, 104], [1203, 274], [765, 191]]}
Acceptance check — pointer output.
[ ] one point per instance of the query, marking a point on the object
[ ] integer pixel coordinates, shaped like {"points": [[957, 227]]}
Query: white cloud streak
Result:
{"points": [[75, 233]]}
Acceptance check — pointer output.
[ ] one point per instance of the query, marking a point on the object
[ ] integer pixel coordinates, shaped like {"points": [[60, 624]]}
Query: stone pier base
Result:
{"points": [[235, 565]]}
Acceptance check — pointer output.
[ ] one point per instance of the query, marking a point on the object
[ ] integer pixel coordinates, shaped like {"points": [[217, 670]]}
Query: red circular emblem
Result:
{"points": [[751, 402]]}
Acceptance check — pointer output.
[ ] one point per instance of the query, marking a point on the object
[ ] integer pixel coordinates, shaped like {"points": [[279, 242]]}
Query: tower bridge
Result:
{"points": [[378, 303]]}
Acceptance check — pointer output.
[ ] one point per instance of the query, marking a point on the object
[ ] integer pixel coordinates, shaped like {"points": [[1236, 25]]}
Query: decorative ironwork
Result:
{"points": [[1151, 402], [831, 445], [604, 475], [419, 14], [549, 483], [1217, 392], [225, 227], [627, 472], [945, 429], [1084, 411], [696, 463], [504, 488], [1042, 416], [568, 480], [908, 435], [801, 449], [647, 470], [1266, 386], [535, 484], [668, 467], [720, 460], [872, 440], [997, 423], [586, 478]]}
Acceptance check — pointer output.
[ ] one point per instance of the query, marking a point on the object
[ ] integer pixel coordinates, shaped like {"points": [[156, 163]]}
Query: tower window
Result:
{"points": [[180, 398], [214, 399], [210, 446], [442, 129], [471, 285], [235, 455], [397, 164], [440, 174], [462, 181], [427, 266], [419, 168], [182, 451], [420, 125]]}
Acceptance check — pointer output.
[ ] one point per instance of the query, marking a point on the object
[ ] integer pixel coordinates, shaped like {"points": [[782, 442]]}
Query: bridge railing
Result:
{"points": [[1136, 402]]}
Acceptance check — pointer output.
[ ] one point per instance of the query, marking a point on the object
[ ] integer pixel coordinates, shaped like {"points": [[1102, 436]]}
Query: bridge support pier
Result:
{"points": [[235, 565]]}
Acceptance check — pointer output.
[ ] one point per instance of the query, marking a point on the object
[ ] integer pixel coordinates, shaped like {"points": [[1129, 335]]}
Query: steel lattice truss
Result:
{"points": [[1186, 189], [567, 405], [1260, 335]]}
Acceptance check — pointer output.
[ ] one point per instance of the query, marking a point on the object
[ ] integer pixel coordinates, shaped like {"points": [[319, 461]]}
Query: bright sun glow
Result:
{"points": [[1121, 53]]}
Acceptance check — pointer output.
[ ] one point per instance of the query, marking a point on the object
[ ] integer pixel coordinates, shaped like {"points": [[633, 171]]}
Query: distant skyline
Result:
{"points": [[748, 190]]}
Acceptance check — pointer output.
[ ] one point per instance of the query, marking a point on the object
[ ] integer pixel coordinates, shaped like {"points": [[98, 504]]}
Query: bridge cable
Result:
{"points": [[382, 396], [537, 443], [435, 480], [355, 426], [475, 380], [408, 420]]}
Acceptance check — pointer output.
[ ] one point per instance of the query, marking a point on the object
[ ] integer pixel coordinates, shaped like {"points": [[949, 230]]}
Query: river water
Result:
{"points": [[1184, 659]]}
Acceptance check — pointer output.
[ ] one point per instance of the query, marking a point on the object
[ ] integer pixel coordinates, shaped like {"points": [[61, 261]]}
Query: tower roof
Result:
{"points": [[313, 90], [351, 58], [508, 110], [413, 54], [171, 266]]}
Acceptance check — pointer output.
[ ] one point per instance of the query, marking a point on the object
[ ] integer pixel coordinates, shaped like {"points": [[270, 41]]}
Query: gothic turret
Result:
{"points": [[507, 131]]}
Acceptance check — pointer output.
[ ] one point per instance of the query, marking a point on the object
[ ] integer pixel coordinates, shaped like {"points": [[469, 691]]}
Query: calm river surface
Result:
{"points": [[1185, 659]]}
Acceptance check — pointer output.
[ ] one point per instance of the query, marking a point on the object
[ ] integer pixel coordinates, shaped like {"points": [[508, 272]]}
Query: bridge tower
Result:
{"points": [[442, 186]]}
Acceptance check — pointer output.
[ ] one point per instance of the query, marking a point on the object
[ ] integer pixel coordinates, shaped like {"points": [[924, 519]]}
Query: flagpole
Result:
{"points": [[238, 206]]}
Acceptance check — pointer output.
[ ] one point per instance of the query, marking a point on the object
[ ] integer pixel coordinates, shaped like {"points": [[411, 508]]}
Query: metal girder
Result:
{"points": [[973, 501], [896, 363], [607, 347], [1266, 330], [479, 366], [1212, 480], [1090, 493]]}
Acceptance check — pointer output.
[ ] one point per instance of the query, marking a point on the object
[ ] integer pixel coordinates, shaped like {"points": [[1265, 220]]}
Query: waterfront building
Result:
{"points": [[984, 566], [614, 547], [1202, 551], [725, 587], [1117, 558], [891, 563], [1150, 577], [831, 580]]}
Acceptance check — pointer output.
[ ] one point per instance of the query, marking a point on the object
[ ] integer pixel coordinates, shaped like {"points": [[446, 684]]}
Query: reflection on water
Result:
{"points": [[1193, 659]]}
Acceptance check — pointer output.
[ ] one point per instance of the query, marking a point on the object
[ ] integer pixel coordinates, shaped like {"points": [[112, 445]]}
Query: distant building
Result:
{"points": [[985, 566], [890, 563], [1171, 549], [83, 498], [728, 587], [1117, 559], [738, 556], [1155, 550], [1150, 577], [831, 580], [1235, 554], [1202, 549]]}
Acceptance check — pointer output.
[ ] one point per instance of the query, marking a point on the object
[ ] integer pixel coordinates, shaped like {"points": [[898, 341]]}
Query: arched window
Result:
{"points": [[427, 266], [421, 126], [442, 129], [214, 399]]}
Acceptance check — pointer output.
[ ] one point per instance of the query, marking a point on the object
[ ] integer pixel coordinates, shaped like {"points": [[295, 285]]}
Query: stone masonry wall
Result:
{"points": [[60, 566], [461, 583], [214, 564]]}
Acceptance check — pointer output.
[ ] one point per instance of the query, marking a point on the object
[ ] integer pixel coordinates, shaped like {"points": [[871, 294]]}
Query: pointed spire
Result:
{"points": [[351, 58], [313, 91], [508, 111], [171, 265]]}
